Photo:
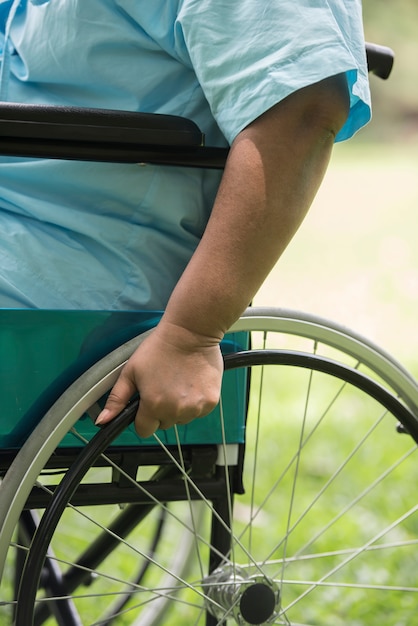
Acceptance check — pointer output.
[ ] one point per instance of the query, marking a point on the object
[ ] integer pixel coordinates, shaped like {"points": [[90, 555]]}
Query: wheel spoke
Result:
{"points": [[356, 500], [353, 555]]}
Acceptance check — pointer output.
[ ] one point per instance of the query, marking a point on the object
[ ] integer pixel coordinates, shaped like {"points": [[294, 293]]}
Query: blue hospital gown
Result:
{"points": [[116, 236]]}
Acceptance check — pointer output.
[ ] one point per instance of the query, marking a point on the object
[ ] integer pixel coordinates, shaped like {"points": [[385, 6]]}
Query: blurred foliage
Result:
{"points": [[394, 23]]}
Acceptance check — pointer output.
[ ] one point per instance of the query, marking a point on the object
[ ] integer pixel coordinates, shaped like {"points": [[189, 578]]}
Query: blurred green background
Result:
{"points": [[355, 258], [394, 23]]}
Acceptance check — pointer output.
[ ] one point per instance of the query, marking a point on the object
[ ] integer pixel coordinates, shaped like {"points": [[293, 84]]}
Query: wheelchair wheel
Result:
{"points": [[313, 521]]}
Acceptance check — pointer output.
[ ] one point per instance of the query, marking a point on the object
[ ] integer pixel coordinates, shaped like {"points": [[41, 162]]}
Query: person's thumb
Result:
{"points": [[118, 398]]}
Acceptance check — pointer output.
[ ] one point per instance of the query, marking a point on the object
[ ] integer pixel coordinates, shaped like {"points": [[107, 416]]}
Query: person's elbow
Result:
{"points": [[326, 105], [311, 114]]}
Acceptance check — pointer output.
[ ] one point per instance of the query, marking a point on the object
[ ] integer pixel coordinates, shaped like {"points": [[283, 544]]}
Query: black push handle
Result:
{"points": [[379, 60]]}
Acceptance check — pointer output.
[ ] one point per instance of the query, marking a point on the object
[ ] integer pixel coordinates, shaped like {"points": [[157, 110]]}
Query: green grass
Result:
{"points": [[355, 258]]}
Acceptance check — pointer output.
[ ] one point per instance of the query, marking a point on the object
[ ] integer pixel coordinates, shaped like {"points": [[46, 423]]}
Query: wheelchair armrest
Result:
{"points": [[62, 123], [76, 133], [86, 134]]}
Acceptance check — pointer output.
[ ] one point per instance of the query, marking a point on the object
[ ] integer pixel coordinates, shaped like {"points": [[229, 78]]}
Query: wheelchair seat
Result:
{"points": [[44, 352]]}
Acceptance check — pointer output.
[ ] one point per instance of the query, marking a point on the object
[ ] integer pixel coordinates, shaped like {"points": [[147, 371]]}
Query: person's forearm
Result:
{"points": [[273, 172]]}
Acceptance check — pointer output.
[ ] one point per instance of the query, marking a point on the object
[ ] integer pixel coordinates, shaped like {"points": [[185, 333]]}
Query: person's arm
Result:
{"points": [[274, 169]]}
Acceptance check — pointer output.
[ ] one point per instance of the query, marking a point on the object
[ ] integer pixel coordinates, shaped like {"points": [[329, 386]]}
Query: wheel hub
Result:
{"points": [[249, 600]]}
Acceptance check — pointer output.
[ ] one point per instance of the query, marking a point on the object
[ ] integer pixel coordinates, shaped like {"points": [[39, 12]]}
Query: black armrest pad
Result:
{"points": [[51, 123]]}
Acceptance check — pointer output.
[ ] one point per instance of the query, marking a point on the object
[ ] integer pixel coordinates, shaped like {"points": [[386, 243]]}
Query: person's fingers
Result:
{"points": [[151, 416], [145, 424], [122, 392]]}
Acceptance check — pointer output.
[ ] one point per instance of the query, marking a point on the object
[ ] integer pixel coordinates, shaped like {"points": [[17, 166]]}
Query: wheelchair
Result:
{"points": [[205, 523]]}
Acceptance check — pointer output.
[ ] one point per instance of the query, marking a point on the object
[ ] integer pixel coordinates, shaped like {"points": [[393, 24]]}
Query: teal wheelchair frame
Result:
{"points": [[205, 523]]}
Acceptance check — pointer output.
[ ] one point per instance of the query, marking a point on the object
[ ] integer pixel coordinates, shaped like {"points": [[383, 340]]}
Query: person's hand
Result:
{"points": [[178, 376]]}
